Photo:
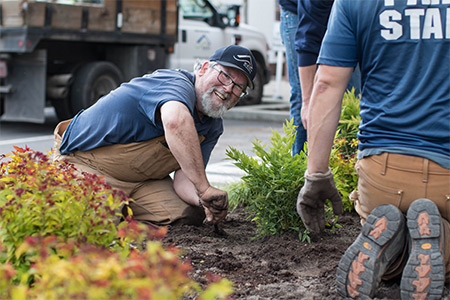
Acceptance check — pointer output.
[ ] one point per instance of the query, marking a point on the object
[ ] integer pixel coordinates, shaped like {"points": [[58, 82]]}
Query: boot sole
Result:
{"points": [[423, 276], [360, 268]]}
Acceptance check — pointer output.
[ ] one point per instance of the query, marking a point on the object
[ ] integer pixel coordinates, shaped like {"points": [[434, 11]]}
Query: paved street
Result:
{"points": [[242, 126]]}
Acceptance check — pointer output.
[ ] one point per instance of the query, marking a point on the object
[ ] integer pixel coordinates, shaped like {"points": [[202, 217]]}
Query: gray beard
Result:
{"points": [[207, 107]]}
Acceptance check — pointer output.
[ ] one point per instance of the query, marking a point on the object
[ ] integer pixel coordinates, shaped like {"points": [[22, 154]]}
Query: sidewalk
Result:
{"points": [[242, 126]]}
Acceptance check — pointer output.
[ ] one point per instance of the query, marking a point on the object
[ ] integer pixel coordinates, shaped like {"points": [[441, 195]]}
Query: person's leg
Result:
{"points": [[424, 274], [156, 201], [377, 247], [288, 27], [400, 180]]}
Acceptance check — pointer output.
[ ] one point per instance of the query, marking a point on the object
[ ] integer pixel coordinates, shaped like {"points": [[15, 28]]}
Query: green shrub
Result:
{"points": [[270, 187], [343, 154]]}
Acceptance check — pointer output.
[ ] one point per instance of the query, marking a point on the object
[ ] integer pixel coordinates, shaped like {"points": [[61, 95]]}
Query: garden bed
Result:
{"points": [[274, 267]]}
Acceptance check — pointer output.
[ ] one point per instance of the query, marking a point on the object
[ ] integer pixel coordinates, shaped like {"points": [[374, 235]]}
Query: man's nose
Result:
{"points": [[228, 88]]}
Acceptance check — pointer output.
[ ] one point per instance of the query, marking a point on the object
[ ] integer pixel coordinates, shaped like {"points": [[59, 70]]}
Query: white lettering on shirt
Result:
{"points": [[394, 30], [424, 23], [414, 21]]}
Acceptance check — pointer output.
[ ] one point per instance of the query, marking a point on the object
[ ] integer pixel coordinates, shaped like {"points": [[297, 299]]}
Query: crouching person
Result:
{"points": [[156, 124]]}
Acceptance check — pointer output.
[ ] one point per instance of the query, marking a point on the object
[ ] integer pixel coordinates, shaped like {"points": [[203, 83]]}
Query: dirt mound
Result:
{"points": [[273, 267]]}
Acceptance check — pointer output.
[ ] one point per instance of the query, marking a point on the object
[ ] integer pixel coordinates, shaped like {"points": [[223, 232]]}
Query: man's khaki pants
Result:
{"points": [[397, 179], [141, 170]]}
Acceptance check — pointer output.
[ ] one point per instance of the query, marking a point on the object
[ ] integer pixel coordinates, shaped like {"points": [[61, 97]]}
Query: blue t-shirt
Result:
{"points": [[130, 114], [404, 53]]}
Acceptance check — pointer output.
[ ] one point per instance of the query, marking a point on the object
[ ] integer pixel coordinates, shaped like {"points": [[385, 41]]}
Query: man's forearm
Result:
{"points": [[324, 113], [307, 80], [306, 74], [181, 136], [185, 189]]}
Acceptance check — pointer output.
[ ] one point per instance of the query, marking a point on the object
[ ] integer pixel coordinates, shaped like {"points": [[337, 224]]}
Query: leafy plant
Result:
{"points": [[42, 197], [58, 240], [92, 272], [270, 187], [350, 118], [345, 147]]}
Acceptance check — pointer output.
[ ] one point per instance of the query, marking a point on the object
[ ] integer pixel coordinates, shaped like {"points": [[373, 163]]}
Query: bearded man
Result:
{"points": [[164, 122]]}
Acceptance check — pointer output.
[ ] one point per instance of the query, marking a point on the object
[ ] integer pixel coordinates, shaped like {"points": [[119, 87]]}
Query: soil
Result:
{"points": [[273, 267]]}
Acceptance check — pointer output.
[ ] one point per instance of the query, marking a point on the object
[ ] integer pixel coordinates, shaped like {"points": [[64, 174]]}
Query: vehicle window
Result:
{"points": [[194, 9]]}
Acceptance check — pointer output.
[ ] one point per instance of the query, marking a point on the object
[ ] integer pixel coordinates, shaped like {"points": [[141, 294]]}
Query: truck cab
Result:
{"points": [[202, 29]]}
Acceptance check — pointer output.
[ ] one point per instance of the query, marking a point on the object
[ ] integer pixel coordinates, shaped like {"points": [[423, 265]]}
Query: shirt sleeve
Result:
{"points": [[339, 46], [313, 18]]}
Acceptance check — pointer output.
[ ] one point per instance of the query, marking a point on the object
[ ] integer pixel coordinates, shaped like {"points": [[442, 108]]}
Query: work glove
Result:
{"points": [[215, 202], [311, 200]]}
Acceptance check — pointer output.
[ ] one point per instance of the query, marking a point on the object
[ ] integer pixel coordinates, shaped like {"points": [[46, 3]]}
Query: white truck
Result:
{"points": [[202, 29], [69, 53]]}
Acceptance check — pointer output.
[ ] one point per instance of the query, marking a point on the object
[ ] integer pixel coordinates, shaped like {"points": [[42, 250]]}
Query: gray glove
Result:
{"points": [[311, 200]]}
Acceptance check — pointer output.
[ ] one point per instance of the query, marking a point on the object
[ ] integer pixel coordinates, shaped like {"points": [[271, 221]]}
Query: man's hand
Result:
{"points": [[215, 202], [311, 200]]}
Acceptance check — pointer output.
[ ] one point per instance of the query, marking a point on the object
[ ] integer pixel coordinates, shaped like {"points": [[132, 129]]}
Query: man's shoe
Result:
{"points": [[380, 242], [424, 276]]}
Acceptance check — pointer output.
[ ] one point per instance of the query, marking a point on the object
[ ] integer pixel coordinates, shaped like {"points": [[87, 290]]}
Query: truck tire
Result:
{"points": [[254, 96], [92, 81]]}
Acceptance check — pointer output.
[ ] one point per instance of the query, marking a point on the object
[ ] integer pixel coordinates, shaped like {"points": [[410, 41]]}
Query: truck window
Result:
{"points": [[195, 9]]}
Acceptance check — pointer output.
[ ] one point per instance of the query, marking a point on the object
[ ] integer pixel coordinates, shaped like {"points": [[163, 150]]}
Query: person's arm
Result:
{"points": [[324, 113], [323, 117], [191, 183], [182, 139], [313, 18], [306, 74]]}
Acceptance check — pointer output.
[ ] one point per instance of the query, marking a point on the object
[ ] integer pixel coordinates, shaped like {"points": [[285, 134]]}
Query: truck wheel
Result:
{"points": [[92, 81], [254, 96]]}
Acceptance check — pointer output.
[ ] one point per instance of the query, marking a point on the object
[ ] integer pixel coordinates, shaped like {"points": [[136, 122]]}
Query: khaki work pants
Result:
{"points": [[141, 170], [398, 179]]}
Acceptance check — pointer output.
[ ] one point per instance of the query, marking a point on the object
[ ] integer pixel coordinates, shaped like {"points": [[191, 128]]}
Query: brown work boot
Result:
{"points": [[380, 242], [424, 275]]}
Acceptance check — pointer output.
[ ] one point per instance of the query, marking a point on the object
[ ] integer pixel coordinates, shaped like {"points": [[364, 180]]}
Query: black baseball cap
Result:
{"points": [[237, 57]]}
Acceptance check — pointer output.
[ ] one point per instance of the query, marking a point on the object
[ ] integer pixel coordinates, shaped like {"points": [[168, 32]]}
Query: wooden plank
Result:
{"points": [[12, 14], [141, 16], [35, 14], [102, 18], [147, 4], [65, 16], [171, 17]]}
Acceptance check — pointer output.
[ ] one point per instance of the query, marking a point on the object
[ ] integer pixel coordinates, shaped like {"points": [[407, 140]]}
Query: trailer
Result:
{"points": [[70, 53]]}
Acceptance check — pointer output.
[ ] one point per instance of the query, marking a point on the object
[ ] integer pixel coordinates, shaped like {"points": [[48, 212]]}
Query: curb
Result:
{"points": [[260, 112]]}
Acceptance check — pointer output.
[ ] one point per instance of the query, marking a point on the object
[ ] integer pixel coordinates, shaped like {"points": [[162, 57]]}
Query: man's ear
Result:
{"points": [[203, 69]]}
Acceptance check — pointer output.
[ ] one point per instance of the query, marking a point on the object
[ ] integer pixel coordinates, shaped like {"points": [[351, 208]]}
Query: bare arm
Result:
{"points": [[307, 74], [182, 138], [190, 183], [324, 113]]}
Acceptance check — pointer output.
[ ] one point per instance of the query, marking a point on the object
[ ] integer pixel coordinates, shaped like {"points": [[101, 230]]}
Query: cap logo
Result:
{"points": [[246, 60]]}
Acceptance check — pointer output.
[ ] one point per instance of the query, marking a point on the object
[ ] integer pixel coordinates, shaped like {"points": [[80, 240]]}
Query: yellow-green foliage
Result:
{"points": [[271, 184], [343, 154], [58, 240]]}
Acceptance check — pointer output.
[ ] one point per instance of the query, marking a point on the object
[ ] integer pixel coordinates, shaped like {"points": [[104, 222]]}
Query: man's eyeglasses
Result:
{"points": [[226, 80]]}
